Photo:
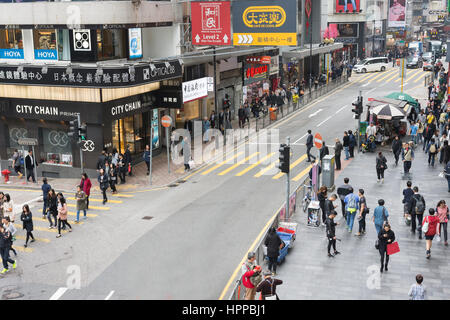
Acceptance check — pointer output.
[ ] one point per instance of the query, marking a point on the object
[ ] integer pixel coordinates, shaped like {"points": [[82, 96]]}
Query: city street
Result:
{"points": [[200, 230]]}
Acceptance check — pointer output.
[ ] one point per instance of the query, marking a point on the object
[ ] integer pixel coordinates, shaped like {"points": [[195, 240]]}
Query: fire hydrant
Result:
{"points": [[6, 174]]}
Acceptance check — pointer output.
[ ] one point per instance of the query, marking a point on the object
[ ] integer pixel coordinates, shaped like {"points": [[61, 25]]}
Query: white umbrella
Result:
{"points": [[387, 112]]}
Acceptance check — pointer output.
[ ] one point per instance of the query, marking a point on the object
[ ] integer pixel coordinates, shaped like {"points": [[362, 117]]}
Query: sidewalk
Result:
{"points": [[308, 273]]}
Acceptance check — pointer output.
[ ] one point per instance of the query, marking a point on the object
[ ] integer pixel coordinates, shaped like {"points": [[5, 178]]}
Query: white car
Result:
{"points": [[371, 64]]}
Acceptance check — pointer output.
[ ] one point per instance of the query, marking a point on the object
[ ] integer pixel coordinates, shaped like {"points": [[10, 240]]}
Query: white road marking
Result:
{"points": [[371, 90], [324, 121], [315, 113], [365, 85], [340, 109], [58, 294], [300, 138], [109, 295]]}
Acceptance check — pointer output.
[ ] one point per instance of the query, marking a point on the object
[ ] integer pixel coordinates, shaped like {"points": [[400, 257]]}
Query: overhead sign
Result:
{"points": [[255, 72], [135, 43], [318, 141], [195, 89], [265, 22], [210, 23], [258, 60], [397, 13], [27, 142], [166, 121]]}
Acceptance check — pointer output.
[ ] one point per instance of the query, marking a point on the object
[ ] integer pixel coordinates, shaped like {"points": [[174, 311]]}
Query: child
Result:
{"points": [[417, 291]]}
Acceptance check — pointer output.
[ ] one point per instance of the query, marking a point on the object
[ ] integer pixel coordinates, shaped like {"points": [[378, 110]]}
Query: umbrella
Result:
{"points": [[402, 96], [387, 112]]}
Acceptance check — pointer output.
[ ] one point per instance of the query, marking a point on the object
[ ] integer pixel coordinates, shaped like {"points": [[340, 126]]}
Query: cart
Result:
{"points": [[287, 232]]}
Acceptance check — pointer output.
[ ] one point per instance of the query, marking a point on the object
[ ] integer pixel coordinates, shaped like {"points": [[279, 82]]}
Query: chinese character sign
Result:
{"points": [[211, 23], [265, 22], [195, 89]]}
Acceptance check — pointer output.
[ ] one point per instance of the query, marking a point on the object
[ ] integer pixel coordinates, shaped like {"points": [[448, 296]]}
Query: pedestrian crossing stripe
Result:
{"points": [[389, 73], [392, 77], [302, 174], [419, 73], [70, 221], [379, 75], [98, 200], [221, 163], [37, 239], [260, 173], [90, 207], [292, 166], [41, 229], [421, 77], [409, 77], [255, 164], [238, 164], [22, 249], [368, 77], [121, 195], [89, 215]]}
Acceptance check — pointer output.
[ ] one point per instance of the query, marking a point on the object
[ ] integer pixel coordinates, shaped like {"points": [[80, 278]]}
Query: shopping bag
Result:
{"points": [[191, 164], [393, 248]]}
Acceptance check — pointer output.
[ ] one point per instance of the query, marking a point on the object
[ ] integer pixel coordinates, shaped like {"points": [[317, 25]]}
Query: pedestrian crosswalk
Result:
{"points": [[390, 76]]}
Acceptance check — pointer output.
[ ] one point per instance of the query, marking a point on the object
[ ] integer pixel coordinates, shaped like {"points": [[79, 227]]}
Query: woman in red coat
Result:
{"points": [[430, 226], [86, 185]]}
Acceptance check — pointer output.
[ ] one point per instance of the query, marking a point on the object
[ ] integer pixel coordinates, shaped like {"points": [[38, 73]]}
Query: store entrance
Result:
{"points": [[131, 131]]}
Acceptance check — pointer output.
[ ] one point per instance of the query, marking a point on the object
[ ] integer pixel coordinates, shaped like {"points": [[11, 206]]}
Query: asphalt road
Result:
{"points": [[199, 230]]}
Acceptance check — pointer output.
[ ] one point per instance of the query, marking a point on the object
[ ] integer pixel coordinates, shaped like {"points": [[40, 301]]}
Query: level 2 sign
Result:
{"points": [[210, 22]]}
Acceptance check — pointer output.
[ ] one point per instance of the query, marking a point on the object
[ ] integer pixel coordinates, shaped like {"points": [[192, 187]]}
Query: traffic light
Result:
{"points": [[284, 158], [83, 132], [73, 128], [358, 110]]}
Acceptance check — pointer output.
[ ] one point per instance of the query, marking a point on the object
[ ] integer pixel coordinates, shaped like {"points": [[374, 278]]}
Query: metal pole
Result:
{"points": [[167, 147], [373, 40], [359, 122], [216, 107], [310, 55], [403, 64], [35, 163], [151, 147], [81, 149], [24, 165], [288, 143]]}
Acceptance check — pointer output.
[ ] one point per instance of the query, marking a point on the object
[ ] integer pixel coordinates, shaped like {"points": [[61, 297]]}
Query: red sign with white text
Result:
{"points": [[210, 23]]}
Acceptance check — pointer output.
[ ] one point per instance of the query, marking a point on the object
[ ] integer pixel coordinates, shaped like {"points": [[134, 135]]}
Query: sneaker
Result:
{"points": [[15, 264], [77, 221], [336, 252], [4, 271], [330, 255], [378, 181], [25, 245], [349, 230], [58, 236], [446, 243], [70, 230], [84, 218], [382, 180], [51, 227], [358, 234], [381, 269], [32, 240]]}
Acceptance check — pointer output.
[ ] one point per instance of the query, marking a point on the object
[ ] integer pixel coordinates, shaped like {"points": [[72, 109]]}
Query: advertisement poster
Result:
{"points": [[350, 5], [135, 43], [155, 127], [265, 22], [195, 89], [397, 13], [347, 30], [211, 24]]}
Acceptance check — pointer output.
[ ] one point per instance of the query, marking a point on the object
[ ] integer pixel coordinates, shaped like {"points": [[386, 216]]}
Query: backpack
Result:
{"points": [[433, 148], [420, 205], [351, 204]]}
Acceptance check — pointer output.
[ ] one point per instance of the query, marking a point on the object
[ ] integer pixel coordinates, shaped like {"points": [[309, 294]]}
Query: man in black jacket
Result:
{"points": [[324, 151], [101, 160], [351, 143], [127, 158], [397, 148], [418, 206], [30, 163], [342, 191], [309, 145], [274, 244], [331, 233], [337, 153]]}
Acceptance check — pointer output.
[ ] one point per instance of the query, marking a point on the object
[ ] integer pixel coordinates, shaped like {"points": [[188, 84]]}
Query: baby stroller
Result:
{"points": [[369, 145]]}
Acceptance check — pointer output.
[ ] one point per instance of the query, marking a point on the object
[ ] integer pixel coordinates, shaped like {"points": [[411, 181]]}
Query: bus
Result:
{"points": [[434, 46]]}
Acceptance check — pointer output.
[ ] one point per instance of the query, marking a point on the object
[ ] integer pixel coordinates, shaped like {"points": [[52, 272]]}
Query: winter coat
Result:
{"points": [[103, 181], [273, 242], [81, 200], [268, 287], [62, 212], [250, 278], [383, 241], [52, 205], [338, 149], [381, 162], [27, 220], [86, 186]]}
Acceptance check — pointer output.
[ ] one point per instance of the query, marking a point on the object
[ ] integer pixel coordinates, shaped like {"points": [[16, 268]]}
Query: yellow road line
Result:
{"points": [[303, 173], [89, 215], [41, 228], [90, 207], [27, 190], [422, 76], [410, 77], [122, 195], [262, 171], [379, 75], [22, 249], [99, 200], [237, 164], [416, 74], [37, 239], [368, 77], [292, 166], [389, 73], [392, 78], [70, 221], [222, 163], [254, 165]]}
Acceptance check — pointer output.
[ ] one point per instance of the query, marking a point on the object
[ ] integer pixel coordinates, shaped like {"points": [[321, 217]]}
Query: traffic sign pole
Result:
{"points": [[288, 187], [166, 122]]}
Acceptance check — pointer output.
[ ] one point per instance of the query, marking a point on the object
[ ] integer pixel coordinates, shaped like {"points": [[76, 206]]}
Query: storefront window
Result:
{"points": [[15, 133], [63, 45], [189, 111], [45, 47], [11, 39], [55, 146], [111, 44]]}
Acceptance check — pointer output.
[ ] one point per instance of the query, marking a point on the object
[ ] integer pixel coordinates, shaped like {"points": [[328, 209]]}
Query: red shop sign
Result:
{"points": [[255, 71], [258, 60]]}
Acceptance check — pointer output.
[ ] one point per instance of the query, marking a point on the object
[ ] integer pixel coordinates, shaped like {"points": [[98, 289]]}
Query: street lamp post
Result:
{"points": [[373, 39]]}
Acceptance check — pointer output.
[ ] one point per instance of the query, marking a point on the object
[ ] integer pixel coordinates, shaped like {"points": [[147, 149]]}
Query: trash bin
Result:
{"points": [[313, 214], [328, 172], [273, 113]]}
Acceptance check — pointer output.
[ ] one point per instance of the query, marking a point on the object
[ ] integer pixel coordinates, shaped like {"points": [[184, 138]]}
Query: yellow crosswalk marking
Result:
{"points": [[410, 77], [222, 163], [98, 200], [415, 75], [378, 75], [421, 77], [121, 195], [22, 249], [392, 78], [302, 174], [292, 166], [254, 165], [89, 215], [70, 221], [90, 207], [37, 239], [368, 77], [262, 171], [238, 164], [42, 229], [389, 73]]}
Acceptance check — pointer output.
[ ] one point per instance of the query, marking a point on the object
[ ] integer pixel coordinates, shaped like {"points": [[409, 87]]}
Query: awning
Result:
{"points": [[400, 104], [299, 53]]}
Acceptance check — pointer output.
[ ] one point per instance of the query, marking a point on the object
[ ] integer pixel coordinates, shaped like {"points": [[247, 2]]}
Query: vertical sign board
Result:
{"points": [[265, 23], [135, 43], [397, 13], [210, 22]]}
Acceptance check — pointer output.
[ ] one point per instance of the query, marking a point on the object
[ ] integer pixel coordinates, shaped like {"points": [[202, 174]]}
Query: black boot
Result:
{"points": [[385, 267], [381, 269]]}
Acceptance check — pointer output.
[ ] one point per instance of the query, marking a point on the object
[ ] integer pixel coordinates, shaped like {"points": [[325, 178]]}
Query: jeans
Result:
{"points": [[49, 217], [87, 202], [419, 221], [425, 144], [419, 137], [350, 219], [343, 209], [378, 228], [384, 254], [104, 194], [448, 182], [431, 157], [273, 264], [148, 165], [337, 159], [347, 154], [407, 166], [78, 214], [352, 149], [30, 173], [397, 157], [4, 252], [380, 173], [44, 209], [414, 138]]}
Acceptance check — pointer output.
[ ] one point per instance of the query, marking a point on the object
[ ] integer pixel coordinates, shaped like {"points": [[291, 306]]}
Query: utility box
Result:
{"points": [[328, 172]]}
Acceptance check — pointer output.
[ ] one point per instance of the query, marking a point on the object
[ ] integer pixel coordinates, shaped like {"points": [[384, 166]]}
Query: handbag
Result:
{"points": [[425, 225], [377, 244], [272, 296], [392, 248]]}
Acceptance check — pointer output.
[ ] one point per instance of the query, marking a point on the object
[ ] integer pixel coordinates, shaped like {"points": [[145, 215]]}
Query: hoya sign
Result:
{"points": [[41, 54], [11, 53]]}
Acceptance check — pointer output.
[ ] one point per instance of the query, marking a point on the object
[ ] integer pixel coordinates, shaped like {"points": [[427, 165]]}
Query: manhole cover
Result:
{"points": [[147, 218], [173, 185], [12, 295]]}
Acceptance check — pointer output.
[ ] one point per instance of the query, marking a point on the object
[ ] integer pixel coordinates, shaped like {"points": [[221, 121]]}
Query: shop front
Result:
{"points": [[375, 37], [256, 81], [351, 35]]}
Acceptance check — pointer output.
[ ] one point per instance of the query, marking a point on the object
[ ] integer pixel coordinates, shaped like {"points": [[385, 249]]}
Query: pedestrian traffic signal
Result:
{"points": [[358, 107], [285, 152], [83, 132], [73, 128]]}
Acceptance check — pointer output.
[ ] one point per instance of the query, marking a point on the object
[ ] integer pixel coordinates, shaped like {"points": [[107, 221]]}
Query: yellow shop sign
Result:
{"points": [[264, 17]]}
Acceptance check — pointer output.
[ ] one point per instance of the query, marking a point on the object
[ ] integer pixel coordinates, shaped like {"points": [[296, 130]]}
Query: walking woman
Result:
{"points": [[27, 219], [273, 244], [385, 237], [322, 196], [430, 226], [122, 169], [5, 244], [86, 187], [62, 216], [80, 196], [103, 183], [2, 199], [381, 166], [113, 178], [8, 207], [443, 215], [52, 207], [10, 227]]}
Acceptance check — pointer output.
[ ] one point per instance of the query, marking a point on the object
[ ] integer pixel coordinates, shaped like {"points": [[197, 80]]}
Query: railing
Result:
{"points": [[296, 198]]}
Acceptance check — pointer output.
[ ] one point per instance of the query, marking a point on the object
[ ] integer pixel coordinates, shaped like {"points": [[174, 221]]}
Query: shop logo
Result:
{"points": [[45, 54], [88, 146], [211, 17], [253, 72], [58, 138], [264, 17], [17, 133], [82, 40]]}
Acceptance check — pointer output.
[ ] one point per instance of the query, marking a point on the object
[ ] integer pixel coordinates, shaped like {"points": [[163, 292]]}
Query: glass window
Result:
{"points": [[11, 39], [44, 39], [111, 44], [139, 133], [63, 45], [55, 146], [15, 133]]}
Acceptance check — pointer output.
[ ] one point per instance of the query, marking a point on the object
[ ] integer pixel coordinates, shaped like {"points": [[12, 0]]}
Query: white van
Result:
{"points": [[371, 64]]}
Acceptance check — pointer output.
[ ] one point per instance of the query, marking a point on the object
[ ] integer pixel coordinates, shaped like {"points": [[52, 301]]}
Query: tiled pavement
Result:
{"points": [[309, 274]]}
